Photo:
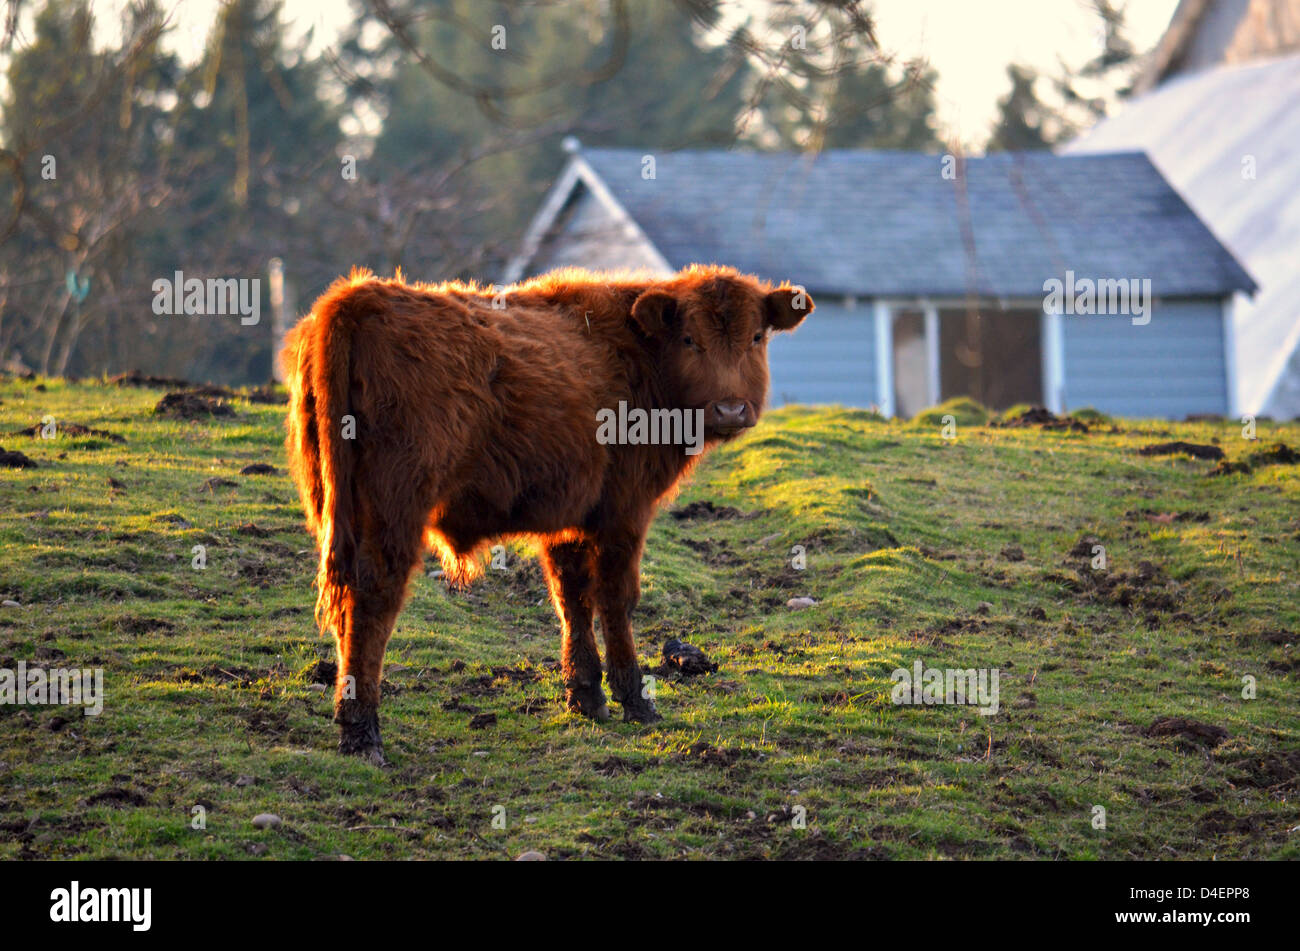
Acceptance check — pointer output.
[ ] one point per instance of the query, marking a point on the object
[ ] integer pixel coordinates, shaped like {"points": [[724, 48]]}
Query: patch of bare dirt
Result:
{"points": [[188, 406], [617, 766], [1225, 468], [117, 797], [705, 509], [1270, 771], [69, 429], [1221, 822], [701, 753], [520, 674], [322, 672], [1166, 518], [137, 378], [1146, 586], [16, 460], [1202, 734], [135, 626], [1195, 450], [1278, 454]]}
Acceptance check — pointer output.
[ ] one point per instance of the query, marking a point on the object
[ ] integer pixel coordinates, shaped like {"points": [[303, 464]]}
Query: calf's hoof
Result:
{"points": [[589, 701], [359, 732], [640, 711]]}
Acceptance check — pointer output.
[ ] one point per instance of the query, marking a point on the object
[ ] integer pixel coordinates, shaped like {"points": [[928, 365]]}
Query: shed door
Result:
{"points": [[993, 356]]}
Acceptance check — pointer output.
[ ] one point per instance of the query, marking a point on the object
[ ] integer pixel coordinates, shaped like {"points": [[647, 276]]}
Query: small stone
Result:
{"points": [[317, 688], [984, 607], [267, 820], [11, 604], [245, 781], [531, 856], [799, 604]]}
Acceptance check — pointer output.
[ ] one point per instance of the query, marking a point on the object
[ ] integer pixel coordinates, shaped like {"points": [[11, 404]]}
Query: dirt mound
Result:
{"points": [[706, 510], [1196, 450], [1042, 417], [135, 626], [1270, 771], [267, 394], [16, 460], [136, 378], [322, 672], [189, 406], [1084, 546], [117, 798], [62, 428], [1205, 734], [258, 394], [1152, 515], [1278, 454], [1229, 468], [1146, 586], [258, 468], [701, 753], [686, 659]]}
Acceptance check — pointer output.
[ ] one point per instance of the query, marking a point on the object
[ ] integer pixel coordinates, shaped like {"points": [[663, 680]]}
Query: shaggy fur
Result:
{"points": [[452, 416]]}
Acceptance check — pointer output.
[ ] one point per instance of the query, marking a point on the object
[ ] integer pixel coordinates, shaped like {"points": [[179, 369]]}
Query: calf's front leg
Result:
{"points": [[618, 589]]}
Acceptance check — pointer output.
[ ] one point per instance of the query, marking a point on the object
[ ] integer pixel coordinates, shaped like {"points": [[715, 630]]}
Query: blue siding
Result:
{"points": [[829, 358], [1170, 367]]}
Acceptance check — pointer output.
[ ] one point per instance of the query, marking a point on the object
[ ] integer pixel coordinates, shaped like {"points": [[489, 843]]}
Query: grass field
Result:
{"points": [[970, 552]]}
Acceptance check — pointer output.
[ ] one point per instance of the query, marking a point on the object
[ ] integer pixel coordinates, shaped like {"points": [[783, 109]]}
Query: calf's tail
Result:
{"points": [[323, 427]]}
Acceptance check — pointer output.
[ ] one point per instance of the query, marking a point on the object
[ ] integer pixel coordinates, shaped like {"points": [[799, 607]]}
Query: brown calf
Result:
{"points": [[449, 416]]}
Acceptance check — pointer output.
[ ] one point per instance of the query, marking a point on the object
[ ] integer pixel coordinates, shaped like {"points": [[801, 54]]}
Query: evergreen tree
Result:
{"points": [[829, 87], [1024, 122]]}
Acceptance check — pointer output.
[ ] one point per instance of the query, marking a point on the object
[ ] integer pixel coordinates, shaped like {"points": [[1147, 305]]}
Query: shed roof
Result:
{"points": [[891, 224]]}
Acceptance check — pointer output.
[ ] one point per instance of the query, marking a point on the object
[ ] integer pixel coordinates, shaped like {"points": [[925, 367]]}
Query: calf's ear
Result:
{"points": [[785, 307], [654, 312]]}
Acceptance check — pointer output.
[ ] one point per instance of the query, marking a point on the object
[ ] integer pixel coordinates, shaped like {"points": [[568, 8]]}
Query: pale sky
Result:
{"points": [[970, 42]]}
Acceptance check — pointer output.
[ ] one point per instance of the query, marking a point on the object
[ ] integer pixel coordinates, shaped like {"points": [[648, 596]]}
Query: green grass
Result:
{"points": [[913, 547]]}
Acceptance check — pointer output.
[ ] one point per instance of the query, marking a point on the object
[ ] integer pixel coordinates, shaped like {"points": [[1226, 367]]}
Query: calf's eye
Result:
{"points": [[758, 337], [688, 342]]}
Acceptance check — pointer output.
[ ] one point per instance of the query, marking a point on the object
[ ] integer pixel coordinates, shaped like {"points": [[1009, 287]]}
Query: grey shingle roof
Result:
{"points": [[889, 223]]}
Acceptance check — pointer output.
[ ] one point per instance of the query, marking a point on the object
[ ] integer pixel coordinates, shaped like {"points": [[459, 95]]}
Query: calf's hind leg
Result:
{"points": [[389, 550], [570, 579]]}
